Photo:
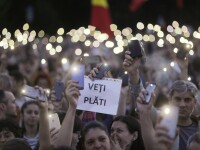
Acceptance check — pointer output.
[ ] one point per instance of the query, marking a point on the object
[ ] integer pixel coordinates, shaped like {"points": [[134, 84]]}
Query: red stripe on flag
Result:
{"points": [[179, 3], [100, 18], [136, 4]]}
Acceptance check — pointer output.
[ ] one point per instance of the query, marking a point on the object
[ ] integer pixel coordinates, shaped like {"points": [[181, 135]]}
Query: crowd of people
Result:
{"points": [[137, 125]]}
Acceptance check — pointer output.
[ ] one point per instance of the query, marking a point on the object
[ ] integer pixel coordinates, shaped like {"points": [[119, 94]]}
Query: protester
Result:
{"points": [[95, 136], [34, 121], [136, 124], [16, 144], [5, 82], [8, 107], [8, 130], [126, 131], [182, 94]]}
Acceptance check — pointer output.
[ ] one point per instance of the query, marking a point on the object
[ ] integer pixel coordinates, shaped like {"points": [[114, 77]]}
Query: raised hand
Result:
{"points": [[132, 67], [72, 93], [130, 64], [162, 140], [42, 103], [115, 144]]}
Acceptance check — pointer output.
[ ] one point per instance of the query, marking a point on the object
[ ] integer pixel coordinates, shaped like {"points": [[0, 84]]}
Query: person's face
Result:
{"points": [[96, 139], [42, 82], [11, 108], [186, 103], [120, 131], [6, 135], [31, 115]]}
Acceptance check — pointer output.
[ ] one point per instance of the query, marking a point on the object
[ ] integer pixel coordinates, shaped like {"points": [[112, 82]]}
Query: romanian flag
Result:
{"points": [[100, 16], [179, 3], [136, 4]]}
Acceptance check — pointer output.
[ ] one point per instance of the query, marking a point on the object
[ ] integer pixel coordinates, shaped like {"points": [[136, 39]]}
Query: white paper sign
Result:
{"points": [[100, 95]]}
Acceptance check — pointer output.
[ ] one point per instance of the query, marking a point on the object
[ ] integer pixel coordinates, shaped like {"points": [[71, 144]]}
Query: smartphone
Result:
{"points": [[59, 89], [170, 119], [77, 73], [54, 121], [136, 48], [95, 59], [102, 70], [125, 79], [47, 91], [176, 67], [33, 93], [150, 89]]}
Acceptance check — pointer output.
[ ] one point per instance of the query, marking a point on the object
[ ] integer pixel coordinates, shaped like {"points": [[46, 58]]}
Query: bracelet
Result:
{"points": [[135, 89]]}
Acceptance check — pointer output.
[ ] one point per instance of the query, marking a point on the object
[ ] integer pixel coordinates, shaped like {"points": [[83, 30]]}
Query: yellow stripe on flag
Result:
{"points": [[102, 3]]}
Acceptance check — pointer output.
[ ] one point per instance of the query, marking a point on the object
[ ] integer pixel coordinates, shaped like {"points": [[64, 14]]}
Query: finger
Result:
{"points": [[161, 127], [76, 93], [166, 140], [127, 52], [139, 100], [98, 65], [129, 57], [96, 70], [161, 131], [52, 129], [54, 132], [91, 77], [73, 89], [128, 62], [53, 91], [53, 98], [141, 97], [72, 84], [160, 117], [93, 73], [153, 98]]}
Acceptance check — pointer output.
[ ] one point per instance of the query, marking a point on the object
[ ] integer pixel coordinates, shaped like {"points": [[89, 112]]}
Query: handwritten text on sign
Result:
{"points": [[100, 95]]}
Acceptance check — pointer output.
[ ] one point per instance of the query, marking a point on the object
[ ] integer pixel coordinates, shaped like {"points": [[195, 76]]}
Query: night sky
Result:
{"points": [[49, 15]]}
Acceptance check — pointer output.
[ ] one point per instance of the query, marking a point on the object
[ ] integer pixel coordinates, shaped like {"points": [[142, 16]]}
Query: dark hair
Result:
{"points": [[5, 82], [22, 112], [195, 64], [18, 76], [183, 86], [132, 126], [92, 125], [3, 97], [16, 144], [7, 124]]}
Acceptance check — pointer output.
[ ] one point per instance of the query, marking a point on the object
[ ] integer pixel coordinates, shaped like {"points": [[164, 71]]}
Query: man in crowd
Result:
{"points": [[182, 94], [8, 107]]}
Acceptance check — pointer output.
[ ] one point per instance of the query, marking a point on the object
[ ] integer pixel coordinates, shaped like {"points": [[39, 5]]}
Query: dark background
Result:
{"points": [[49, 15]]}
